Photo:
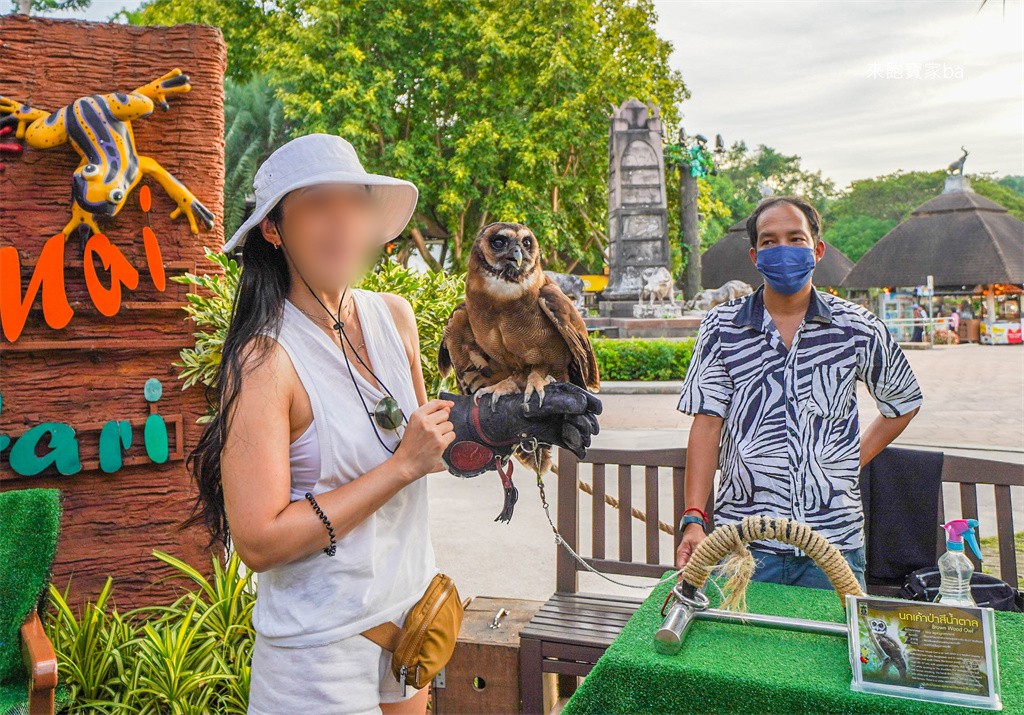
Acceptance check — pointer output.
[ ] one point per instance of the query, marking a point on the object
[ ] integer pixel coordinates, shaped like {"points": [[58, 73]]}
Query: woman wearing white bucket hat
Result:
{"points": [[327, 504]]}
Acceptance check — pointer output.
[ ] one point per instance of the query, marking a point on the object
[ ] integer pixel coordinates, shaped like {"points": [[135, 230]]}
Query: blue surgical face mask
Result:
{"points": [[786, 269]]}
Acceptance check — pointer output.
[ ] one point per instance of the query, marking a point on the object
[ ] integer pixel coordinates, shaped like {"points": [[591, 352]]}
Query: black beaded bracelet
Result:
{"points": [[330, 550]]}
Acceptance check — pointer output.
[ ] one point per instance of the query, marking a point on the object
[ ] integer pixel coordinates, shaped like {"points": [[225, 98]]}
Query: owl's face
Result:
{"points": [[508, 251], [878, 626]]}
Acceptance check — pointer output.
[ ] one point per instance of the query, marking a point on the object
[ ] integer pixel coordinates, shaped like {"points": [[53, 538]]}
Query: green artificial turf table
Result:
{"points": [[727, 668]]}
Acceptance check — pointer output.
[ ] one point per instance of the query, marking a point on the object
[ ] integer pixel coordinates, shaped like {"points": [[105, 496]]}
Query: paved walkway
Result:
{"points": [[974, 400]]}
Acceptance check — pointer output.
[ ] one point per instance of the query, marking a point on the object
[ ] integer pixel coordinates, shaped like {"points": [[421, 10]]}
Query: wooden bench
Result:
{"points": [[573, 629]]}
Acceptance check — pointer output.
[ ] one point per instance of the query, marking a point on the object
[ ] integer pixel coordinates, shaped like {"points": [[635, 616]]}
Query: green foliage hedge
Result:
{"points": [[643, 359]]}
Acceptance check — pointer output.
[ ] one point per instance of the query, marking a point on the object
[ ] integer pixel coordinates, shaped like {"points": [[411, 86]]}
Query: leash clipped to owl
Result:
{"points": [[688, 601]]}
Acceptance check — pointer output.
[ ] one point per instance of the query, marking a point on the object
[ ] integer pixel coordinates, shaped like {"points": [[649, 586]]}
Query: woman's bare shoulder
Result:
{"points": [[267, 368]]}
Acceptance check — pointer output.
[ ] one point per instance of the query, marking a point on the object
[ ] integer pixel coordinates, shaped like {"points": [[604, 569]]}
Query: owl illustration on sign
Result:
{"points": [[99, 128], [890, 650]]}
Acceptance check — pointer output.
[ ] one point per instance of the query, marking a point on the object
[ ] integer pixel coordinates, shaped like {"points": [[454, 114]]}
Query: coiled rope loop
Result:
{"points": [[731, 540]]}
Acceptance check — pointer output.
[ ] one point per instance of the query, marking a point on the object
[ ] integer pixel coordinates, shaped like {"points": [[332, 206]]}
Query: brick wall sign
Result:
{"points": [[97, 204]]}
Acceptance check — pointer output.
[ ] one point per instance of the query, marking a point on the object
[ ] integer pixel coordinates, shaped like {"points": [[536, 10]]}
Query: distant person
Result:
{"points": [[954, 322], [918, 327], [772, 388]]}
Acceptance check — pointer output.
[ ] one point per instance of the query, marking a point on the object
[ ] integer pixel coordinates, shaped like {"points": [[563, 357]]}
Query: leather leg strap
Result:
{"points": [[386, 635]]}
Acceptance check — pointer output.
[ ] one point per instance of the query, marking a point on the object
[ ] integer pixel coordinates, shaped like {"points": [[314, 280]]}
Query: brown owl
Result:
{"points": [[516, 331]]}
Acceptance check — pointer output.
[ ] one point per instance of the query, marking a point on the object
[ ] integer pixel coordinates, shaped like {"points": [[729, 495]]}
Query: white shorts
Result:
{"points": [[351, 676]]}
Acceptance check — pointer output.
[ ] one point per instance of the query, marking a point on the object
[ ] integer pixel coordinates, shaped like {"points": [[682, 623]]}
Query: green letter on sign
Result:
{"points": [[63, 450], [116, 434]]}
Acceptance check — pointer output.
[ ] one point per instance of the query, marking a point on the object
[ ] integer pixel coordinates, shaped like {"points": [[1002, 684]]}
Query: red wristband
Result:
{"points": [[703, 514]]}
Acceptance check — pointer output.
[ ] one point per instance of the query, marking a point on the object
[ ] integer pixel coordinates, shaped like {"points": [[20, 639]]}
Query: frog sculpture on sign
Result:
{"points": [[99, 128]]}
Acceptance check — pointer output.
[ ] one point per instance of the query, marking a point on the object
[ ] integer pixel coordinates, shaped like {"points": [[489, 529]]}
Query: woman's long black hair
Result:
{"points": [[259, 304]]}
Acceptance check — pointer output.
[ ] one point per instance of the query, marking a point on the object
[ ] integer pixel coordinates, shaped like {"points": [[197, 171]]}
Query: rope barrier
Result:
{"points": [[731, 540], [614, 503]]}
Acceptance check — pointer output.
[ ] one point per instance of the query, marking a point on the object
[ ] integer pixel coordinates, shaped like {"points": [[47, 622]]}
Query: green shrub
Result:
{"points": [[643, 359], [433, 296], [189, 657]]}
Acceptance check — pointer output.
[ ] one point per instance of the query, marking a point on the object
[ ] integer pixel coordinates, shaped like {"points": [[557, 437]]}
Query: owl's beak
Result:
{"points": [[517, 255]]}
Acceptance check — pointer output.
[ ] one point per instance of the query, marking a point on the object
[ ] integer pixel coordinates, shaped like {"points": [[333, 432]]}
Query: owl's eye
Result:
{"points": [[498, 243], [527, 243]]}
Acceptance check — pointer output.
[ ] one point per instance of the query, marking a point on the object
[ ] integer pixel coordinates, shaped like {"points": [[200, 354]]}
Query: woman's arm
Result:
{"points": [[267, 528]]}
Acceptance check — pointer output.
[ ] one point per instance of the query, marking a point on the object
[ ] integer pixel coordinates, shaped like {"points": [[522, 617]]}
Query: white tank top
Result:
{"points": [[304, 462], [383, 566]]}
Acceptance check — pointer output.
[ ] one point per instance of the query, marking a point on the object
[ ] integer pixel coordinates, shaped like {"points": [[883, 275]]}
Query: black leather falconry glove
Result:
{"points": [[485, 435]]}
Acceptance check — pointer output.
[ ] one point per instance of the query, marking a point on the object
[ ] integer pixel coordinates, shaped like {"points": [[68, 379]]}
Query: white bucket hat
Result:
{"points": [[325, 159]]}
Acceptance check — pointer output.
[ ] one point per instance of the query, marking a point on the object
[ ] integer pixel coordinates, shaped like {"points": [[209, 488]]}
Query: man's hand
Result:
{"points": [[693, 535]]}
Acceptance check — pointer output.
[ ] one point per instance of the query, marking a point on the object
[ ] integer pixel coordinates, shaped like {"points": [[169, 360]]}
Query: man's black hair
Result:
{"points": [[813, 217]]}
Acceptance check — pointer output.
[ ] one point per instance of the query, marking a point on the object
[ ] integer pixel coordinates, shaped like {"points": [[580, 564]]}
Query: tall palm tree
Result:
{"points": [[254, 126]]}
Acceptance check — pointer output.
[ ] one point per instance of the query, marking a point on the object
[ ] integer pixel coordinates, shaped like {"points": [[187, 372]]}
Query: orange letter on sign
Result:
{"points": [[48, 274], [108, 300]]}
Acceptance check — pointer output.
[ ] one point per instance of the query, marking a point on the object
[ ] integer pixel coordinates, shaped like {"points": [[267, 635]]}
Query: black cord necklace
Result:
{"points": [[339, 325]]}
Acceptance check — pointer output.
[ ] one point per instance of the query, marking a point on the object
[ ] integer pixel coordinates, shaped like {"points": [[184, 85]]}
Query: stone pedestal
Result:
{"points": [[957, 183], [658, 311], [637, 215]]}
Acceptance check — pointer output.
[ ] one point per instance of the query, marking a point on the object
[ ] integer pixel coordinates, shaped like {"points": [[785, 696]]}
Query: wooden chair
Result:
{"points": [[572, 630], [41, 665], [970, 473]]}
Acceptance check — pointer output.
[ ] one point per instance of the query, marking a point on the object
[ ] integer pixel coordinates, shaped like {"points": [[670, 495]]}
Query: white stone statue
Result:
{"points": [[708, 299], [657, 286]]}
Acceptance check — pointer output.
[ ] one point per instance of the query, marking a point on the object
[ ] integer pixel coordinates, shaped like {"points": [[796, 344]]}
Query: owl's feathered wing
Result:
{"points": [[460, 352], [563, 314]]}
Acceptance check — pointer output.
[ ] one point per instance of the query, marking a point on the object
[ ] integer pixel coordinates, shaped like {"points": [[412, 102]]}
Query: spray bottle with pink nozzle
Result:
{"points": [[955, 568]]}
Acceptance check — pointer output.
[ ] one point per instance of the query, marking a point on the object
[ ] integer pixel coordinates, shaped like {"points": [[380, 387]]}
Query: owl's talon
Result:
{"points": [[536, 383], [497, 390]]}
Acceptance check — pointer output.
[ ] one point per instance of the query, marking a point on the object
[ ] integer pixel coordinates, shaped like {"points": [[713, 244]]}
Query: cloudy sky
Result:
{"points": [[857, 88]]}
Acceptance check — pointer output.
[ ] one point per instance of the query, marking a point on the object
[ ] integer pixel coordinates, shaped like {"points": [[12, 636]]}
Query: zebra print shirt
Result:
{"points": [[791, 440]]}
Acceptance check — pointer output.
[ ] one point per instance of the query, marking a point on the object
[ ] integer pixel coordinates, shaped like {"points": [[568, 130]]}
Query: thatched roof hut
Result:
{"points": [[959, 237], [729, 260]]}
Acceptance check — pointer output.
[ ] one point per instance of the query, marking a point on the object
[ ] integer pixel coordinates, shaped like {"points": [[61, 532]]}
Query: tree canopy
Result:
{"points": [[497, 110]]}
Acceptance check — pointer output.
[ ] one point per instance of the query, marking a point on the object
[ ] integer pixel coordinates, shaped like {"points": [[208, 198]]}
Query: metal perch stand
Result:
{"points": [[731, 540]]}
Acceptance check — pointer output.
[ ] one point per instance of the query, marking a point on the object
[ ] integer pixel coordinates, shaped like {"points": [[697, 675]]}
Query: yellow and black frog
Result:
{"points": [[99, 128]]}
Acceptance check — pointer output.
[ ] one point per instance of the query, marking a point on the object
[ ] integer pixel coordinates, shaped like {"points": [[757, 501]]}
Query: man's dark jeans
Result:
{"points": [[801, 570]]}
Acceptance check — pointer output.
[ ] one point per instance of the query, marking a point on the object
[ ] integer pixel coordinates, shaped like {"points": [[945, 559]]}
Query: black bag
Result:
{"points": [[988, 591]]}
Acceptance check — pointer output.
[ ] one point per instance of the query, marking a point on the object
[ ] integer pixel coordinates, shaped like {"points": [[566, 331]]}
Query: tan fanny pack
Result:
{"points": [[423, 646]]}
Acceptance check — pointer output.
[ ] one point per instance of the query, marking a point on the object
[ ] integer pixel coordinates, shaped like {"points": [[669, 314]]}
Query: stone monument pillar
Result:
{"points": [[637, 214]]}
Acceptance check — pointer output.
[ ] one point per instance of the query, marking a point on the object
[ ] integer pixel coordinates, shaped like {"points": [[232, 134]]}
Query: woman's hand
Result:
{"points": [[693, 534], [427, 435]]}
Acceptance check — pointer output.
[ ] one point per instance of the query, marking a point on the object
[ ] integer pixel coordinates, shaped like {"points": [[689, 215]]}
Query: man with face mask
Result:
{"points": [[772, 387]]}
